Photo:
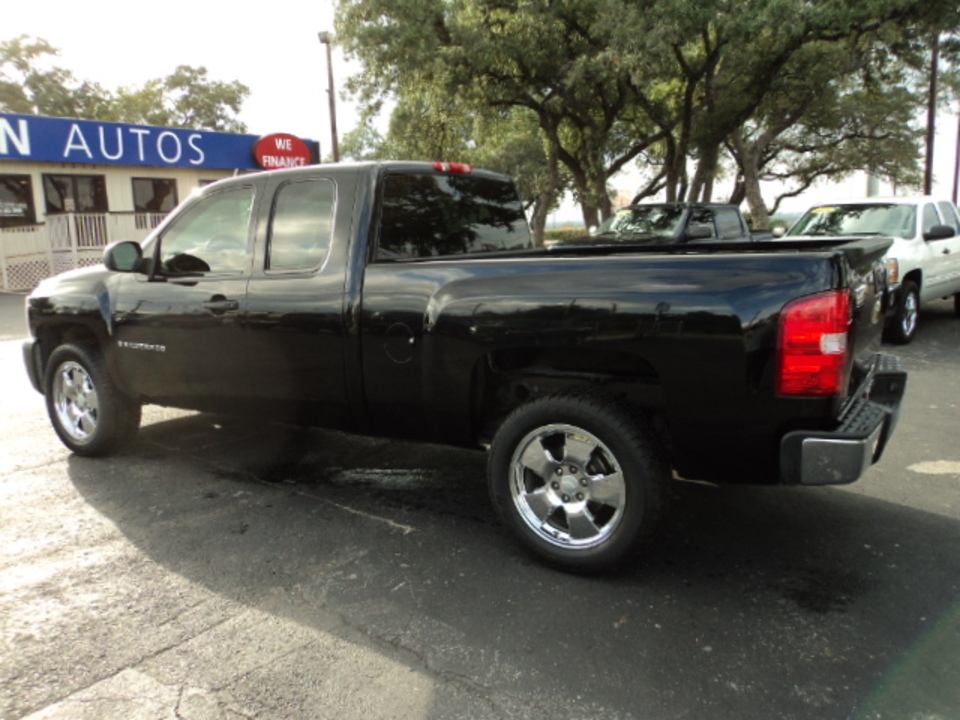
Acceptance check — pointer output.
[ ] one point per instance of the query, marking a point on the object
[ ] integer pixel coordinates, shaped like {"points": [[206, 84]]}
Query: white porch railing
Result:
{"points": [[32, 252]]}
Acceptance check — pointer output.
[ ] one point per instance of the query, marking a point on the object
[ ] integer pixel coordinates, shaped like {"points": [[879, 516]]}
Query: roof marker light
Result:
{"points": [[455, 168]]}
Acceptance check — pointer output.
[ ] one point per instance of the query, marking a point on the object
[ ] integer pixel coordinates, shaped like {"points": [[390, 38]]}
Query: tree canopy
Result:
{"points": [[792, 90], [30, 84]]}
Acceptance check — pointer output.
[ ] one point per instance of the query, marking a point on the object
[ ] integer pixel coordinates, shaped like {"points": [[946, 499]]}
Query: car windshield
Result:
{"points": [[652, 220], [860, 219]]}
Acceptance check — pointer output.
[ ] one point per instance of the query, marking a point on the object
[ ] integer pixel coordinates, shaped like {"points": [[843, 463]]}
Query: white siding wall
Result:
{"points": [[118, 177], [29, 254]]}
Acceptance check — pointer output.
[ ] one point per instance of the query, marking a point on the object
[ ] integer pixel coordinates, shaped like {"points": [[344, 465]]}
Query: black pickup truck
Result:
{"points": [[407, 300]]}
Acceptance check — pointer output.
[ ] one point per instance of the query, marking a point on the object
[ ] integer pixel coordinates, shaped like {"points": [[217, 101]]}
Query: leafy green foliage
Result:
{"points": [[186, 98], [793, 90]]}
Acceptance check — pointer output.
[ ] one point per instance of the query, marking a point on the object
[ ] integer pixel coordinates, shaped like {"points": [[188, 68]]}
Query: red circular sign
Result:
{"points": [[281, 150]]}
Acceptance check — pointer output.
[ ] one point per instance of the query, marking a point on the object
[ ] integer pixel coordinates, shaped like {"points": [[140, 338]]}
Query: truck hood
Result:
{"points": [[85, 279], [82, 294]]}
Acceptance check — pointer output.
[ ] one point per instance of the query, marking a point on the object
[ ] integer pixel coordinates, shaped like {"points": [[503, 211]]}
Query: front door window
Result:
{"points": [[210, 236]]}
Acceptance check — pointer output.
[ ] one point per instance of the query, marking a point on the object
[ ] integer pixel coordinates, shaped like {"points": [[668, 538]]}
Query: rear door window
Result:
{"points": [[704, 218], [301, 226], [930, 217], [949, 214], [728, 224]]}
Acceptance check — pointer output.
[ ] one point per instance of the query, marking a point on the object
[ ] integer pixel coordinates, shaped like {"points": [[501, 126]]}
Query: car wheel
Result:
{"points": [[903, 325], [579, 479], [89, 413], [956, 304]]}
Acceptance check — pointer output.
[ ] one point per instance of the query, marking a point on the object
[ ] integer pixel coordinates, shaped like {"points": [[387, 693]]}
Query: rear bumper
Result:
{"points": [[842, 455]]}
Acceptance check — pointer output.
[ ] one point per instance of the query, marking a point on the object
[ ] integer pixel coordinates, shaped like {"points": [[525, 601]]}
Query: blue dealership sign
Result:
{"points": [[48, 139]]}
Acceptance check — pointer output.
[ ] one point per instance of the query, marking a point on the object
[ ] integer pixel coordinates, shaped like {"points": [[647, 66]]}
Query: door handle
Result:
{"points": [[220, 305]]}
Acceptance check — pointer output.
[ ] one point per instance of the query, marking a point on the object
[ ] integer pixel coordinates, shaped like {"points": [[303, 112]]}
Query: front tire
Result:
{"points": [[578, 479], [903, 325], [88, 412]]}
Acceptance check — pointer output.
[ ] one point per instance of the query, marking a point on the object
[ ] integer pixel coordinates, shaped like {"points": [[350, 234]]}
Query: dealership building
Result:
{"points": [[70, 187]]}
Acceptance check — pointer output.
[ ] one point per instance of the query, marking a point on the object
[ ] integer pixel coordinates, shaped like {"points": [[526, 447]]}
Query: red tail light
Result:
{"points": [[813, 345]]}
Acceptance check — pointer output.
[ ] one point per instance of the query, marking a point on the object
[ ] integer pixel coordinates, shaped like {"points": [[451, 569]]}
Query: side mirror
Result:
{"points": [[779, 231], [124, 256], [939, 232]]}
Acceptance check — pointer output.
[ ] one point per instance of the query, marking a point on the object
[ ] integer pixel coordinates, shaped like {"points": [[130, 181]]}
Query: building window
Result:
{"points": [[16, 201], [154, 195], [75, 193]]}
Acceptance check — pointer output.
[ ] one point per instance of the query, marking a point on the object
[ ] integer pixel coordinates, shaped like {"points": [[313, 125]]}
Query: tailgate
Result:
{"points": [[868, 414], [862, 270]]}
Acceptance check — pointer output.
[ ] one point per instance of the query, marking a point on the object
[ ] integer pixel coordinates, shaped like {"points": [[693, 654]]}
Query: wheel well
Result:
{"points": [[52, 337], [914, 276], [505, 379]]}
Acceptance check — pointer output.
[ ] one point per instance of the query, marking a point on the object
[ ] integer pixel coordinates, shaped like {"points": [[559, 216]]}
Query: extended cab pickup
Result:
{"points": [[924, 260], [407, 300]]}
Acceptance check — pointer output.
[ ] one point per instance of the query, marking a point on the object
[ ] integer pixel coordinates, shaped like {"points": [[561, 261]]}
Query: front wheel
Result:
{"points": [[88, 412], [903, 325], [579, 479]]}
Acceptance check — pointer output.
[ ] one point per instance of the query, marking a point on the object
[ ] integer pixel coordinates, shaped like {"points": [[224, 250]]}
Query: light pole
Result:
{"points": [[327, 39]]}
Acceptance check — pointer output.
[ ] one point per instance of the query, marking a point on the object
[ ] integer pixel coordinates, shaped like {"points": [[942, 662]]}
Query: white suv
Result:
{"points": [[922, 264]]}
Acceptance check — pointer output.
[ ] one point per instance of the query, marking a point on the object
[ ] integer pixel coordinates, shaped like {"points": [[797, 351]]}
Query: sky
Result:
{"points": [[274, 50]]}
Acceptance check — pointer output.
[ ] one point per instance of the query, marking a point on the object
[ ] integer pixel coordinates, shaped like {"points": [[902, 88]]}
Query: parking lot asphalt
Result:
{"points": [[227, 568]]}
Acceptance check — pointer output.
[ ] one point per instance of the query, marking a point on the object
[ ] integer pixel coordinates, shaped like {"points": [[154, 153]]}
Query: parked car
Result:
{"points": [[923, 263], [670, 224], [407, 300]]}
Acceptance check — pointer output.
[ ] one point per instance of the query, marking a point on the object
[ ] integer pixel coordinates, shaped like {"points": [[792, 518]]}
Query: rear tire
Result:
{"points": [[88, 412], [903, 326], [579, 479]]}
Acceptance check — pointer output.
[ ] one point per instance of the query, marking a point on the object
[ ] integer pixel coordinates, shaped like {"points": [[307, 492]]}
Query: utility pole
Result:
{"points": [[932, 113], [956, 167], [327, 39]]}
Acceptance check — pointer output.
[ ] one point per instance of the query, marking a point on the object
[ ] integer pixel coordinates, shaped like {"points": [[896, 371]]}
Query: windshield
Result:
{"points": [[879, 219], [658, 220]]}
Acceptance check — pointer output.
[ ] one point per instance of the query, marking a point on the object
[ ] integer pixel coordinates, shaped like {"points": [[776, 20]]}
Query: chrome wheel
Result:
{"points": [[909, 314], [75, 401], [568, 486], [89, 413]]}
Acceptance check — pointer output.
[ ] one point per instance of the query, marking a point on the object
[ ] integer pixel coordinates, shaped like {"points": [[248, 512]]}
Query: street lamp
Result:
{"points": [[327, 39]]}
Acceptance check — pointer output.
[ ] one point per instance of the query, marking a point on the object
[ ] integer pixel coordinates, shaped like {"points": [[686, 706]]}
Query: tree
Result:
{"points": [[186, 98], [425, 126], [26, 87], [806, 128], [774, 84], [542, 58], [675, 83]]}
